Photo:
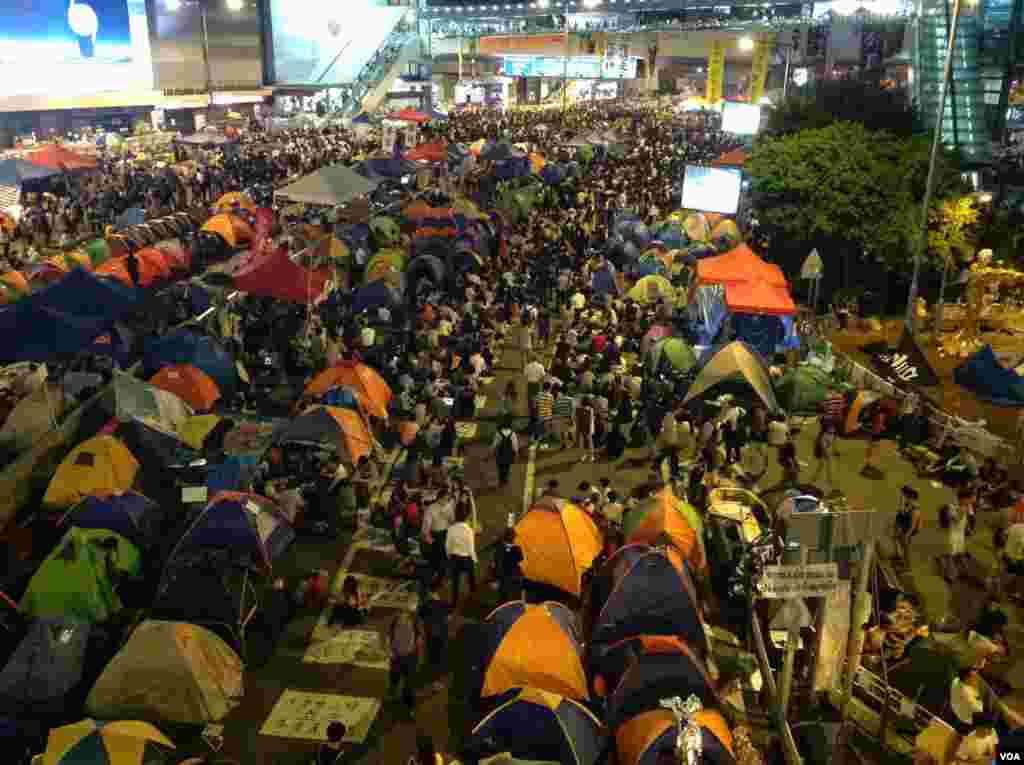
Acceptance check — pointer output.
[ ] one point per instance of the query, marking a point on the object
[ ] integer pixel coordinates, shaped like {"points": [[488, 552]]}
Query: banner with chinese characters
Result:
{"points": [[763, 49], [716, 71]]}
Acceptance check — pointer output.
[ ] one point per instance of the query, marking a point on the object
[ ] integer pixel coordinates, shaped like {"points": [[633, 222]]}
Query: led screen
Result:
{"points": [[66, 47], [327, 43], [579, 67], [711, 189], [741, 119]]}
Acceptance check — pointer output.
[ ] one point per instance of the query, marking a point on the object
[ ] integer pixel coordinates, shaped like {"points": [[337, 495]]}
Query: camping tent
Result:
{"points": [[201, 351], [130, 514], [249, 526], [559, 543], [740, 264], [129, 397], [641, 740], [101, 465], [169, 671], [15, 173], [664, 518], [344, 429], [370, 389], [75, 581], [329, 186], [650, 592], [48, 664], [273, 274], [121, 741], [736, 358], [191, 385], [803, 389], [758, 297], [535, 646], [536, 724], [33, 416], [983, 375]]}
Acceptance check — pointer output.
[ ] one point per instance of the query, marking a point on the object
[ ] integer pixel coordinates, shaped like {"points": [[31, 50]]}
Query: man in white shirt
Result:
{"points": [[964, 698], [534, 374], [460, 546], [579, 302], [438, 517]]}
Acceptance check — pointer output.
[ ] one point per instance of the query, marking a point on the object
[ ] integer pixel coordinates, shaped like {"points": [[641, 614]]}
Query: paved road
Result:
{"points": [[393, 736]]}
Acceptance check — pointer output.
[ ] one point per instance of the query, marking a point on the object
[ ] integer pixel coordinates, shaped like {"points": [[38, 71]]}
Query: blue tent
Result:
{"points": [[30, 333], [118, 344], [17, 172], [342, 397], [385, 168], [48, 664], [983, 375], [361, 119], [374, 295], [131, 515], [653, 596], [552, 173], [82, 295], [133, 216], [541, 726], [201, 351]]}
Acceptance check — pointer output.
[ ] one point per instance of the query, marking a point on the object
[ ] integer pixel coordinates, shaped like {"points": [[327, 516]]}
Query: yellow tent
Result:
{"points": [[124, 741], [559, 543], [101, 465], [195, 429], [651, 289]]}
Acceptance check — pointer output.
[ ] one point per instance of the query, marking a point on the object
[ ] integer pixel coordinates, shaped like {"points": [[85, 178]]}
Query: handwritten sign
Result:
{"points": [[302, 715], [814, 580]]}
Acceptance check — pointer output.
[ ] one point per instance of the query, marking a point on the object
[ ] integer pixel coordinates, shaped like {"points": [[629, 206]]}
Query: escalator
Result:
{"points": [[372, 85]]}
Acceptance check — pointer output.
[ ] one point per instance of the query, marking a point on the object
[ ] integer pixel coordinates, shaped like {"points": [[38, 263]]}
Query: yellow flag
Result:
{"points": [[716, 71], [759, 67]]}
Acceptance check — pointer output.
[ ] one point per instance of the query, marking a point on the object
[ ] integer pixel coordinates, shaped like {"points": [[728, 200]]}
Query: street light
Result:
{"points": [[746, 43], [591, 3]]}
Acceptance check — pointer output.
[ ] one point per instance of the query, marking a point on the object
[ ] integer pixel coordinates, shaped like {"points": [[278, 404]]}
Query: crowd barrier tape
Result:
{"points": [[971, 435]]}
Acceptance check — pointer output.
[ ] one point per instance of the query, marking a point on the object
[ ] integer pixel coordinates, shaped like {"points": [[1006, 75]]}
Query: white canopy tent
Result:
{"points": [[329, 186]]}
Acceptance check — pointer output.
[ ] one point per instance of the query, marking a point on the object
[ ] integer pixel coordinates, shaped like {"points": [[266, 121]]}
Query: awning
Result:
{"points": [[759, 297]]}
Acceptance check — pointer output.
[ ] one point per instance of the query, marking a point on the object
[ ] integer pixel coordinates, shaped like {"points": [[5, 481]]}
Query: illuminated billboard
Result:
{"points": [[712, 189], [579, 67], [70, 47], [328, 43], [741, 119]]}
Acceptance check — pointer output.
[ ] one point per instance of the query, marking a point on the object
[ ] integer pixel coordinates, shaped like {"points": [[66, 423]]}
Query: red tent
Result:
{"points": [[273, 274], [759, 297], [430, 152], [58, 157], [739, 265], [409, 114], [734, 158]]}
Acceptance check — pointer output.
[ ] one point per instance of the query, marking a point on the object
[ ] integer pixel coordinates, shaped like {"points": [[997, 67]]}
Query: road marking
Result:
{"points": [[531, 474]]}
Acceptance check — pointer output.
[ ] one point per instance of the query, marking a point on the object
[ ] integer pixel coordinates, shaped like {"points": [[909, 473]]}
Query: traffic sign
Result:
{"points": [[794, 614]]}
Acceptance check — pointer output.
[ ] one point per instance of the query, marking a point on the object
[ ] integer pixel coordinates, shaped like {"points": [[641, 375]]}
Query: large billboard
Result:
{"points": [[327, 43], [233, 38], [712, 189], [578, 68], [67, 47]]}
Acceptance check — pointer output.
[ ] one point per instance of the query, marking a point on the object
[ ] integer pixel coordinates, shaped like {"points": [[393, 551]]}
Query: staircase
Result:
{"points": [[372, 84]]}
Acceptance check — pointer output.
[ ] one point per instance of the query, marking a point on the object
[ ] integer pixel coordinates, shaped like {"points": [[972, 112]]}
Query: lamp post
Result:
{"points": [[565, 57], [929, 188]]}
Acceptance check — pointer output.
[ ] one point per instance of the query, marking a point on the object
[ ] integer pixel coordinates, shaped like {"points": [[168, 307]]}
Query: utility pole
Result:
{"points": [[565, 58], [203, 12], [929, 189], [861, 602]]}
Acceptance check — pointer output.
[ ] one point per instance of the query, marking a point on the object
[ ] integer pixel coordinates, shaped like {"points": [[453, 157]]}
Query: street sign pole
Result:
{"points": [[856, 643], [788, 742]]}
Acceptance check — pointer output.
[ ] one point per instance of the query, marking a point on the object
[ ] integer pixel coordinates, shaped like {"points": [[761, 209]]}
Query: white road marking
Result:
{"points": [[531, 474]]}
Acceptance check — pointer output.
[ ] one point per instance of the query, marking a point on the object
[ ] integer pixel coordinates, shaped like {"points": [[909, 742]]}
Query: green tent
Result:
{"points": [[98, 251], [386, 230], [585, 154], [128, 397], [804, 389], [74, 582], [673, 350]]}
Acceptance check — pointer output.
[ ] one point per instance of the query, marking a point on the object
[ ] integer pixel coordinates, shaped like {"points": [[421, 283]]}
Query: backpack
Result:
{"points": [[505, 453], [946, 518]]}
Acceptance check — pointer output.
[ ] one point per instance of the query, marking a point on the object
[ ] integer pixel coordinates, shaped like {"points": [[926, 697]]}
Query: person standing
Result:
{"points": [[434, 613], [460, 547], [907, 524], [534, 374], [436, 520], [506, 449], [509, 568], [824, 451], [543, 409], [586, 421], [564, 417], [405, 638]]}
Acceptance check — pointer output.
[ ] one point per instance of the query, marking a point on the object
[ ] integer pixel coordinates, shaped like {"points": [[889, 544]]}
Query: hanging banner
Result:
{"points": [[716, 71], [904, 365], [763, 49]]}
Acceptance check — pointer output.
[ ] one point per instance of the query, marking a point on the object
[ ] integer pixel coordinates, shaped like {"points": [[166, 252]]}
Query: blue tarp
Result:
{"points": [[30, 333], [201, 351], [983, 375], [118, 344], [47, 665], [16, 172]]}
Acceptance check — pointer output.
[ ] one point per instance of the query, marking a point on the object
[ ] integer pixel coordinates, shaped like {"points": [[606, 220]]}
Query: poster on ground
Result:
{"points": [[304, 715], [362, 648]]}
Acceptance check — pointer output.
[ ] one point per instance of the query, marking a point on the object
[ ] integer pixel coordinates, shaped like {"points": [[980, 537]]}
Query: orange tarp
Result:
{"points": [[740, 264], [58, 157], [191, 385], [759, 297]]}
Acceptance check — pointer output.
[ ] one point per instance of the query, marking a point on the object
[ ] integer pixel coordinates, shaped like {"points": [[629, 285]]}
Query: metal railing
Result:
{"points": [[379, 65]]}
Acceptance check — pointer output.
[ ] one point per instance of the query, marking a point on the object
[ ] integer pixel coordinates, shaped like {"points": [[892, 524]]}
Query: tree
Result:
{"points": [[951, 232], [857, 188], [864, 101]]}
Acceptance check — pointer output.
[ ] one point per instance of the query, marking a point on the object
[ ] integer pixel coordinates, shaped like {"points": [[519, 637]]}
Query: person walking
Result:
{"points": [[543, 409], [906, 525], [586, 421], [508, 564], [405, 638], [506, 449], [824, 451], [564, 417], [434, 613], [436, 520], [460, 547]]}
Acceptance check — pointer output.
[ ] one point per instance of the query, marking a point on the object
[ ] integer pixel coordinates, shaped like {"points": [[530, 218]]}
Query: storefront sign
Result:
{"points": [[716, 71]]}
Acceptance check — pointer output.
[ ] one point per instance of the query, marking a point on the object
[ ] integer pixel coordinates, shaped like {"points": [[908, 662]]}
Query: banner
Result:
{"points": [[904, 365], [762, 57], [716, 71]]}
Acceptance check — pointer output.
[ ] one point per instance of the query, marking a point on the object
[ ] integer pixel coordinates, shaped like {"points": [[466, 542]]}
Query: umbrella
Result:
{"points": [[657, 332], [124, 742], [373, 393]]}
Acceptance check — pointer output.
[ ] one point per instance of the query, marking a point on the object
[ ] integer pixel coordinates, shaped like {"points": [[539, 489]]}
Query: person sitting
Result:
{"points": [[329, 752], [352, 608], [979, 746]]}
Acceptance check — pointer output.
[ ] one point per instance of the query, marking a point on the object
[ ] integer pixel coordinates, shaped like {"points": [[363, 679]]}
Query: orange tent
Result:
{"points": [[760, 298], [369, 387], [191, 385], [16, 280], [436, 151], [150, 270], [232, 229], [740, 264], [116, 269], [734, 158], [155, 261], [661, 519]]}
